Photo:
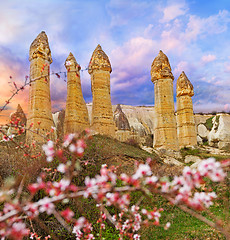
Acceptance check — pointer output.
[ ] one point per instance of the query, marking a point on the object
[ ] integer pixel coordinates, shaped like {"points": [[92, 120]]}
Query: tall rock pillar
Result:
{"points": [[39, 118], [76, 113], [102, 114], [165, 132], [186, 129]]}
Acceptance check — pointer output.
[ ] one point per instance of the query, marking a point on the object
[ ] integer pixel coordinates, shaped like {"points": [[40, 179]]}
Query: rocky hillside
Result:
{"points": [[138, 122], [211, 129]]}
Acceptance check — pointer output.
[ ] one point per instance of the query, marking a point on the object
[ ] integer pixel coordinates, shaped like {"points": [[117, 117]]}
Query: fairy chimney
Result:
{"points": [[123, 130], [39, 119], [76, 113], [102, 114], [186, 130], [120, 119], [165, 132], [19, 115]]}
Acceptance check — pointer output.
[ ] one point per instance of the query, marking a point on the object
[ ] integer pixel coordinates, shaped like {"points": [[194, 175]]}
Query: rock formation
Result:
{"points": [[18, 115], [219, 135], [59, 118], [39, 118], [120, 119], [186, 130], [165, 132], [123, 129], [102, 115], [76, 113]]}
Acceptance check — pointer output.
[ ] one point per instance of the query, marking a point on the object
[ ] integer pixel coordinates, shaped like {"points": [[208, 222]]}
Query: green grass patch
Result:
{"points": [[208, 124]]}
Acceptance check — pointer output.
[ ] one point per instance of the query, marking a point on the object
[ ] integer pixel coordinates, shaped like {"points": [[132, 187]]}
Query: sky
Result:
{"points": [[193, 34]]}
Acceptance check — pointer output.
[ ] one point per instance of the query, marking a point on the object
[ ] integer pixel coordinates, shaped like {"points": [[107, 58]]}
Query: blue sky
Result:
{"points": [[194, 35]]}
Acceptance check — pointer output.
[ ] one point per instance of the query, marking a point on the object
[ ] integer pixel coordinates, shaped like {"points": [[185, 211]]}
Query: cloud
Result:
{"points": [[181, 66], [132, 57], [214, 24], [208, 58], [173, 11], [12, 70], [227, 67]]}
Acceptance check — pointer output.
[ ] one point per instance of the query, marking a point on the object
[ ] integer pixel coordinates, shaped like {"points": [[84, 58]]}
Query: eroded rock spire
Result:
{"points": [[99, 61], [161, 68], [186, 130], [102, 115], [184, 86], [76, 113], [39, 119], [165, 132], [40, 48]]}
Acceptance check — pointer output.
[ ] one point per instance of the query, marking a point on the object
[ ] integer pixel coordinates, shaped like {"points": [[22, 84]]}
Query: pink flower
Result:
{"points": [[167, 225], [61, 168], [49, 150], [136, 237], [143, 170], [67, 214], [151, 180], [68, 139], [19, 230], [79, 224], [46, 206], [211, 169]]}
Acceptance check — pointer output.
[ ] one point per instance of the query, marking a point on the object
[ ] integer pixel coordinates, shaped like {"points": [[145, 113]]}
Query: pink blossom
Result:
{"points": [[19, 230], [68, 139], [151, 180], [67, 214], [211, 169], [32, 210], [80, 223], [49, 150], [61, 168], [167, 225], [46, 206], [136, 237], [143, 170], [202, 198], [63, 184]]}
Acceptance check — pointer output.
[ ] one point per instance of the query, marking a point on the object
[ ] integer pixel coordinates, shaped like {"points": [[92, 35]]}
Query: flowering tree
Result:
{"points": [[183, 191]]}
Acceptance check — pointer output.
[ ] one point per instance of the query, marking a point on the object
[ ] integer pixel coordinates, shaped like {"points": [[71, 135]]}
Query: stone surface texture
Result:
{"points": [[165, 132], [59, 118], [102, 115], [141, 120], [191, 158], [220, 133], [186, 129], [123, 130], [120, 119], [39, 107], [202, 131], [76, 113]]}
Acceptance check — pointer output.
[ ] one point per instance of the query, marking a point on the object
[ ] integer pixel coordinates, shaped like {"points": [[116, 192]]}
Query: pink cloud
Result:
{"points": [[214, 24], [227, 67], [133, 57], [208, 58], [181, 66], [7, 88], [173, 11]]}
